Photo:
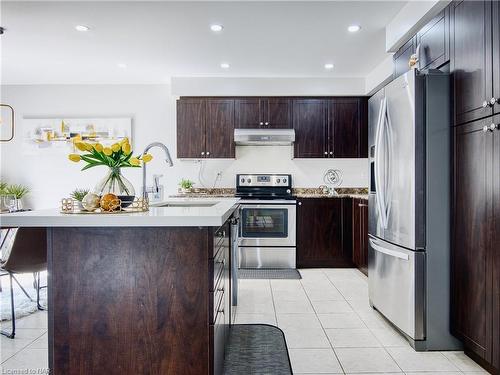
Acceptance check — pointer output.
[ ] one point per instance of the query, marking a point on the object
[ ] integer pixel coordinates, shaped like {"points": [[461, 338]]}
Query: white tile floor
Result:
{"points": [[328, 325]]}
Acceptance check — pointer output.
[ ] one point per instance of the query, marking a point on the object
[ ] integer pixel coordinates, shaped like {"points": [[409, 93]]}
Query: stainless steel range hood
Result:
{"points": [[264, 137]]}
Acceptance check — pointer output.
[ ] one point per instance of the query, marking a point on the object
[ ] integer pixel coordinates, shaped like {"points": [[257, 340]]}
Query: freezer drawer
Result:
{"points": [[267, 257], [396, 285]]}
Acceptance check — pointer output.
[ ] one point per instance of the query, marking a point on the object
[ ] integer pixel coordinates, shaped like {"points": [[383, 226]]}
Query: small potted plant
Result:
{"points": [[186, 186], [19, 191], [78, 195]]}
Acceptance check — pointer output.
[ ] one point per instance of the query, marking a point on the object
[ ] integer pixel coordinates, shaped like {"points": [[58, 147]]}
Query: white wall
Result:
{"points": [[152, 108]]}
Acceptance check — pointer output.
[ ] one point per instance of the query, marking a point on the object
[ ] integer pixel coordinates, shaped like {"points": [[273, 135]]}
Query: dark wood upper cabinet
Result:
{"points": [[310, 121], [219, 128], [190, 128], [348, 130], [402, 56], [278, 113], [248, 113], [496, 55], [472, 60], [433, 42], [321, 241], [475, 254], [273, 113]]}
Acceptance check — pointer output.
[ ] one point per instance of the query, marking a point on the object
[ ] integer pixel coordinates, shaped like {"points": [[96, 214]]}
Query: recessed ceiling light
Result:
{"points": [[328, 66], [354, 28], [216, 28], [82, 28], [122, 66], [224, 66]]}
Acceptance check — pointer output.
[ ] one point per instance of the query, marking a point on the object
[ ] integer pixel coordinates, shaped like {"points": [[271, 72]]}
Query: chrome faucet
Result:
{"points": [[168, 159]]}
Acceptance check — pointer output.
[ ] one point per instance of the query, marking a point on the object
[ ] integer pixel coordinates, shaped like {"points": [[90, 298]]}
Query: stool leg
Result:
{"points": [[11, 334]]}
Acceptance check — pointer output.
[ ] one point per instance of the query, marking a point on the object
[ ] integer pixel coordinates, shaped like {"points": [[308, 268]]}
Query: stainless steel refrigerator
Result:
{"points": [[409, 207]]}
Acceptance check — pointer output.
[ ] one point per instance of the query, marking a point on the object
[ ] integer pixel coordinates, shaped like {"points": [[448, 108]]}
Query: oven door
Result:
{"points": [[267, 225]]}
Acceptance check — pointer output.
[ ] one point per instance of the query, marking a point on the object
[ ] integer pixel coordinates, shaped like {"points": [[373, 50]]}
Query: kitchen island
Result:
{"points": [[141, 293]]}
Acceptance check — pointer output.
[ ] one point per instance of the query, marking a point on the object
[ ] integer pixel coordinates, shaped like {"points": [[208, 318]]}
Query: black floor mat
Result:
{"points": [[257, 349], [269, 273]]}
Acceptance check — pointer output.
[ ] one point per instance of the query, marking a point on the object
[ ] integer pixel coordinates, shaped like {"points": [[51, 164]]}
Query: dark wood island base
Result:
{"points": [[138, 300]]}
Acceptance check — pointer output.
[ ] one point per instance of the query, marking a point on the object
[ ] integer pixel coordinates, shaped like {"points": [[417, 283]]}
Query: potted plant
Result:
{"points": [[186, 186], [17, 190], [78, 195], [115, 157]]}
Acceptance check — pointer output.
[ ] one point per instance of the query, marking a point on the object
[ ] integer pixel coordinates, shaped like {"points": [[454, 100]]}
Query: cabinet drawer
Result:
{"points": [[216, 267], [215, 298], [218, 342]]}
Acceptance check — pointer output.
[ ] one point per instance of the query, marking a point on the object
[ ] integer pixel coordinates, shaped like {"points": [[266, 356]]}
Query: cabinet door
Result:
{"points": [[472, 60], [248, 113], [495, 247], [471, 271], [496, 55], [190, 127], [356, 233], [363, 204], [220, 128], [345, 134], [433, 41], [319, 233], [277, 113], [402, 57], [310, 124]]}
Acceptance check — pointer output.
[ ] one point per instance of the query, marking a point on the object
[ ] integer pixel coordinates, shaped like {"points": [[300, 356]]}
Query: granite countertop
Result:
{"points": [[185, 212], [360, 193]]}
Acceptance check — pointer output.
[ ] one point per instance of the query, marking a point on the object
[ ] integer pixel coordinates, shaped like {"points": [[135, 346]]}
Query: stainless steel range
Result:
{"points": [[267, 221]]}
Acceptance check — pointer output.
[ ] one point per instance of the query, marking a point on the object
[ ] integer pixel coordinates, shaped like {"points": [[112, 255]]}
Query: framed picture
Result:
{"points": [[58, 135], [6, 123]]}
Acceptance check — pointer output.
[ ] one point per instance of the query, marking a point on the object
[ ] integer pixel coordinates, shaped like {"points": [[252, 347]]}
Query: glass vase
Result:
{"points": [[115, 183]]}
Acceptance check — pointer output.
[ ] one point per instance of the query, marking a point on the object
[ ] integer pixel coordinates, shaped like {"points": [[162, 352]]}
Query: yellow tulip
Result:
{"points": [[146, 158], [74, 157], [107, 151], [88, 147], [116, 147], [98, 147], [81, 146], [126, 148], [135, 161], [124, 140]]}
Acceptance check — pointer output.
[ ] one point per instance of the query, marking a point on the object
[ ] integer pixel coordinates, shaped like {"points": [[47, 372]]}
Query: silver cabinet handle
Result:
{"points": [[489, 103], [261, 123], [485, 128], [202, 153], [208, 153], [493, 101], [300, 203], [362, 205], [331, 153], [492, 127], [266, 123], [326, 152]]}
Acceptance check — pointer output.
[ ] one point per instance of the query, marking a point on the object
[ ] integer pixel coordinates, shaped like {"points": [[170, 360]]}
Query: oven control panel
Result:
{"points": [[264, 180]]}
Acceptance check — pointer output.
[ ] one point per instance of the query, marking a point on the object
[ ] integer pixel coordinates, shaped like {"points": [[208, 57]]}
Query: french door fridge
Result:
{"points": [[408, 256]]}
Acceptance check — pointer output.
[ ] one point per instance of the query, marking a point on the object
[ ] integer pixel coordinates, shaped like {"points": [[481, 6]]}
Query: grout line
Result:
{"points": [[274, 305]]}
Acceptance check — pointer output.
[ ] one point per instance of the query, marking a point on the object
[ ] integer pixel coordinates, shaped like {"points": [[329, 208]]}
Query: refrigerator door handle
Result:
{"points": [[389, 252], [378, 145], [390, 153]]}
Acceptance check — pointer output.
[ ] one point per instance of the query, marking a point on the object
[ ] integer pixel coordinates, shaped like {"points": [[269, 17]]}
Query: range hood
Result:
{"points": [[264, 137]]}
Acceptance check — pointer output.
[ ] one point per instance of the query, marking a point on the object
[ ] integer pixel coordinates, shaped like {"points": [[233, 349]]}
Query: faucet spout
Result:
{"points": [[168, 160]]}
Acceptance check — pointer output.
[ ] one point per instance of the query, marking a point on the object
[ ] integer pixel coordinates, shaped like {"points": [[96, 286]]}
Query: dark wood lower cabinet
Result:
{"points": [[360, 234], [138, 300], [324, 228], [476, 250]]}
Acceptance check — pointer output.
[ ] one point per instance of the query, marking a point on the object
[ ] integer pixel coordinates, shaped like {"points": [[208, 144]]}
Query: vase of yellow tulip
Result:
{"points": [[115, 157]]}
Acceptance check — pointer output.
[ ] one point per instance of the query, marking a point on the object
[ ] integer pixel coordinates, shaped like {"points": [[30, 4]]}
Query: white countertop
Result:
{"points": [[184, 216]]}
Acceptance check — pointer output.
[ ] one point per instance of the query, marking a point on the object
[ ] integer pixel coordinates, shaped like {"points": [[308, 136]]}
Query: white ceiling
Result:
{"points": [[160, 40]]}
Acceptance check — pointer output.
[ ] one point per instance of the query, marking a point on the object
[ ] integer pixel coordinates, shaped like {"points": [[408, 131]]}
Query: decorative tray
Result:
{"points": [[72, 206]]}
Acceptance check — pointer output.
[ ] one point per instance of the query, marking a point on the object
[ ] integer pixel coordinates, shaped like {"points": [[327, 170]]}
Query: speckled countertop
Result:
{"points": [[360, 193]]}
